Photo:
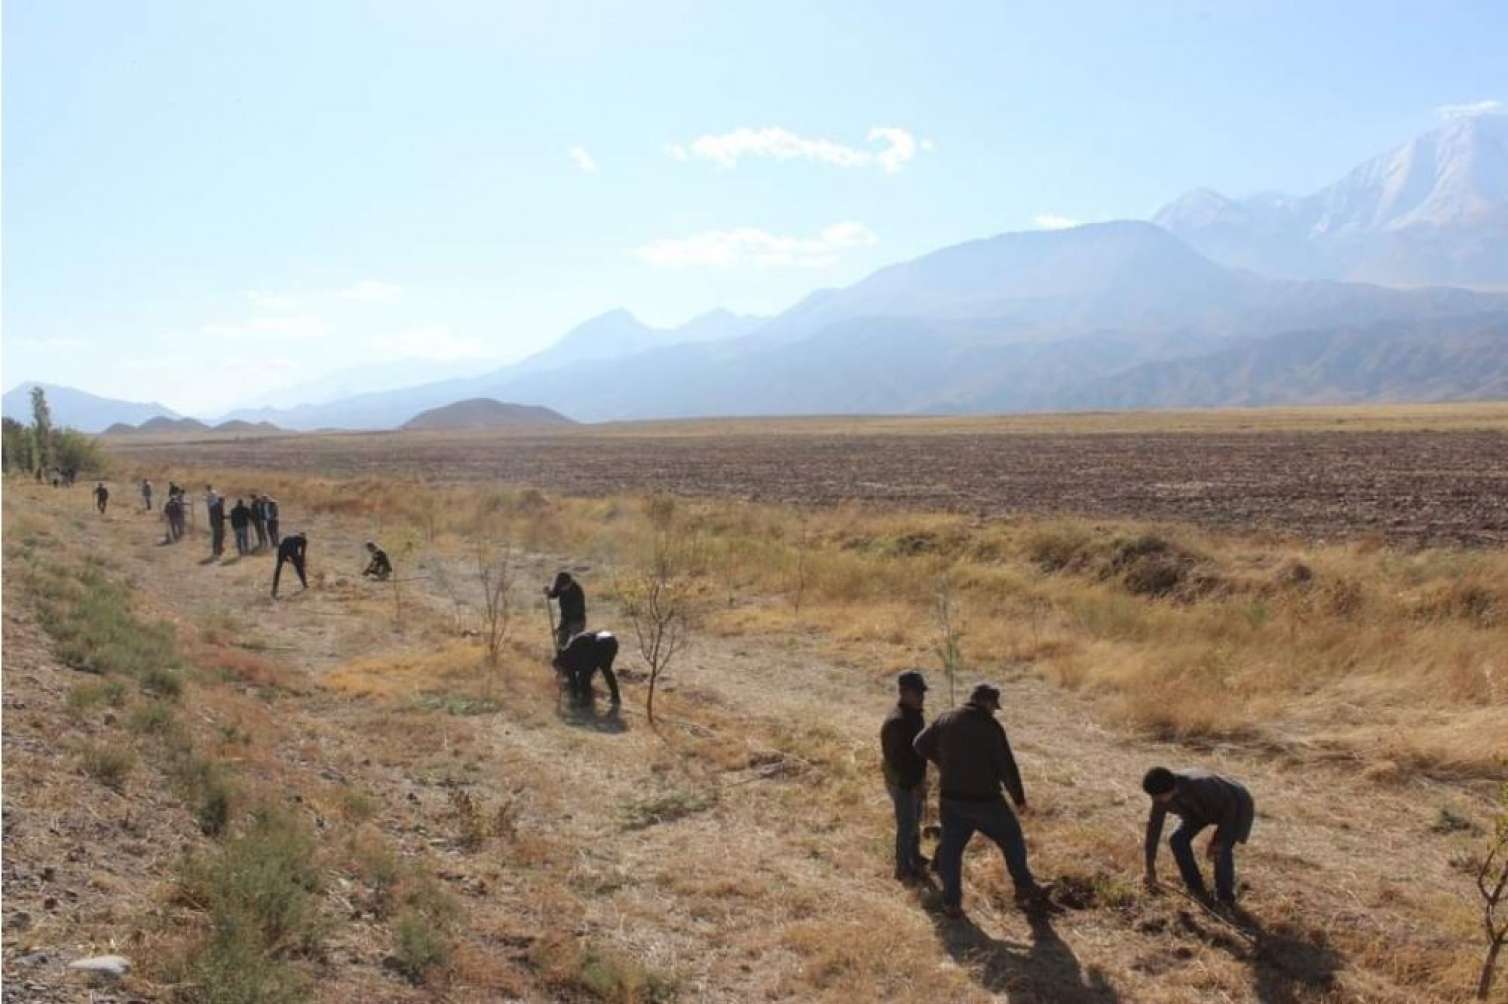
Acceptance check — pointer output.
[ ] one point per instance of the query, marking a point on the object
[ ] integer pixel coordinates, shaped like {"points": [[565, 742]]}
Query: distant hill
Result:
{"points": [[485, 413], [240, 425], [162, 424], [79, 409], [120, 429], [1433, 211]]}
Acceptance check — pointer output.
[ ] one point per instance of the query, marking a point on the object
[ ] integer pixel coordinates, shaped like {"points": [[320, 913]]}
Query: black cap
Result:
{"points": [[985, 696], [912, 680]]}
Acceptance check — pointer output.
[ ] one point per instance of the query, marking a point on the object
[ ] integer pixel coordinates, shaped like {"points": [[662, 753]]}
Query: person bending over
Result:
{"points": [[582, 657]]}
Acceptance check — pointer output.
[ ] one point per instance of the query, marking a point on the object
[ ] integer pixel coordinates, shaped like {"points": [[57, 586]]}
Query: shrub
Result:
{"points": [[86, 696], [419, 945], [108, 765]]}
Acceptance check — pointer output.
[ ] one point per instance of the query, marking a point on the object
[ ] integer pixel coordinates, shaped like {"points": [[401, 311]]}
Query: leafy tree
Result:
{"points": [[41, 424], [19, 452]]}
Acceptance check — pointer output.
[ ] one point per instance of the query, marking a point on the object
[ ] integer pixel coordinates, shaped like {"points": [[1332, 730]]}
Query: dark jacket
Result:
{"points": [[589, 651], [972, 755], [1203, 799], [293, 548], [240, 516], [572, 600], [904, 766]]}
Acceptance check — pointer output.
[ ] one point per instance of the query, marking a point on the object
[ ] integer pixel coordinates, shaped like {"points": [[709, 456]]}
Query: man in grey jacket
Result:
{"points": [[974, 759], [1201, 800]]}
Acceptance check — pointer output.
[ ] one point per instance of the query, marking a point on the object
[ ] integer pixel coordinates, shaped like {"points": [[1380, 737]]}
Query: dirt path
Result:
{"points": [[743, 848]]}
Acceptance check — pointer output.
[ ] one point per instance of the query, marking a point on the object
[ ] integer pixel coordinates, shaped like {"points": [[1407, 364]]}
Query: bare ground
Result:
{"points": [[740, 849]]}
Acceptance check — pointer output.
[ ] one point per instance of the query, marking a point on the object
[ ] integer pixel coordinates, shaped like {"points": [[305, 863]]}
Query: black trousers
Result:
{"points": [[298, 566], [217, 537], [581, 679]]}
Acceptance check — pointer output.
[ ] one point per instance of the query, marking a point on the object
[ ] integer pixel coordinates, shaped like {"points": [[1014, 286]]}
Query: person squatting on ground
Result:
{"points": [[572, 608], [294, 548], [216, 508], [101, 497], [259, 519], [270, 509], [906, 773], [240, 523], [974, 762], [379, 568], [582, 657], [146, 494], [1200, 799]]}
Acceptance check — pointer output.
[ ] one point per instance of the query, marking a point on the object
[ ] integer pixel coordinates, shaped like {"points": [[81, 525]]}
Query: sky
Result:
{"points": [[204, 202]]}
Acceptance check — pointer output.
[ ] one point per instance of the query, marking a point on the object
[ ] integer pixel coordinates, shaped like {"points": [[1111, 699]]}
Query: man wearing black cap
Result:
{"points": [[906, 773], [974, 759], [1200, 799]]}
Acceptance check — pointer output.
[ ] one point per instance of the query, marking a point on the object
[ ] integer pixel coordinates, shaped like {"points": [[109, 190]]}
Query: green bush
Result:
{"points": [[90, 618], [419, 945], [108, 765], [86, 696]]}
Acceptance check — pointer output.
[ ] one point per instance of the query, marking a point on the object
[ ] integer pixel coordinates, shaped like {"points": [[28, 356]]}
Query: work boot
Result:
{"points": [[1037, 896]]}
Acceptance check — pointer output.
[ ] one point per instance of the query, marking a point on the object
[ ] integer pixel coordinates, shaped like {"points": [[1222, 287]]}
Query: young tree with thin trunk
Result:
{"points": [[949, 622], [658, 601], [1492, 883], [496, 571]]}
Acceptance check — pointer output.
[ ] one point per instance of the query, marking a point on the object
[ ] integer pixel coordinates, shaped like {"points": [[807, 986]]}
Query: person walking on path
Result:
{"points": [[240, 523], [906, 773], [146, 494], [567, 591], [294, 549], [216, 508], [101, 497], [975, 763], [1201, 800]]}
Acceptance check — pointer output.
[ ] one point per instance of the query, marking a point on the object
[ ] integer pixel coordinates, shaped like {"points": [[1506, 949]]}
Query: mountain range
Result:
{"points": [[1218, 302], [1433, 211]]}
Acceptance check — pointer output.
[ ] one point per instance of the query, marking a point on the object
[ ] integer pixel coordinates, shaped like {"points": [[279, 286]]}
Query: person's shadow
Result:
{"points": [[1043, 972], [1286, 968], [589, 714]]}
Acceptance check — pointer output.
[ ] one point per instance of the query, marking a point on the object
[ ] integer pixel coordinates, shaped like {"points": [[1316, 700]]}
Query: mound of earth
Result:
{"points": [[485, 413]]}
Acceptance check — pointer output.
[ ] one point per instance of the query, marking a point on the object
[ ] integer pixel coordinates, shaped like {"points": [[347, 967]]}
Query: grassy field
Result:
{"points": [[416, 825]]}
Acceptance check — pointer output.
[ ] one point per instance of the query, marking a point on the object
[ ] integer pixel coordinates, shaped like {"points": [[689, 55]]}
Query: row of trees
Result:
{"points": [[42, 445]]}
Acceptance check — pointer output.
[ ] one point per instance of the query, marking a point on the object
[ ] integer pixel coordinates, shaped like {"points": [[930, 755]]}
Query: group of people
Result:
{"points": [[580, 654], [260, 517], [972, 754]]}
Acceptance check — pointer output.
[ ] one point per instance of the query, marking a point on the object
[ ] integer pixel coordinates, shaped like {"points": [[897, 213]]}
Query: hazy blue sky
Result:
{"points": [[204, 200]]}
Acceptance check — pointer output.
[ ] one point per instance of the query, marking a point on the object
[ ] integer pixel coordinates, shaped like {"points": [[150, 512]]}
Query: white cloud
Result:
{"points": [[432, 341], [723, 248], [1052, 221], [1489, 107], [896, 147], [583, 159], [293, 326], [371, 291], [264, 300]]}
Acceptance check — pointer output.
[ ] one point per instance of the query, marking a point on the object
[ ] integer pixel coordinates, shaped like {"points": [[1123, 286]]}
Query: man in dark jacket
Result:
{"points": [[906, 773], [1200, 799], [294, 548], [974, 760], [146, 494], [101, 497], [259, 518], [240, 522], [572, 608], [584, 656], [379, 567]]}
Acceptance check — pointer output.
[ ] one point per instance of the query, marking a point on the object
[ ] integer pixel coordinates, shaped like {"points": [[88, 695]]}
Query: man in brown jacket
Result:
{"points": [[1200, 799], [906, 773], [974, 758]]}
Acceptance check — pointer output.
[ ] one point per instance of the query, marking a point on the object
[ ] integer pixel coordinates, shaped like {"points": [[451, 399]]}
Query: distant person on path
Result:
{"points": [[906, 773], [216, 506], [1200, 799], [974, 760], [240, 522], [294, 548], [270, 507], [101, 497], [567, 591], [583, 657], [259, 519], [146, 494], [379, 567]]}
